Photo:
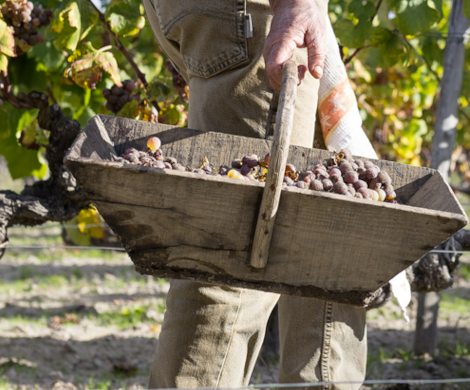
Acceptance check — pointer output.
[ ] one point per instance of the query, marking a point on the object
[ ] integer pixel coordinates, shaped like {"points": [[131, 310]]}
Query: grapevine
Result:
{"points": [[26, 19]]}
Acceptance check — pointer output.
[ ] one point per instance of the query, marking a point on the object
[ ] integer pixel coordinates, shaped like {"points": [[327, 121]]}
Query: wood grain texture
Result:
{"points": [[277, 166], [427, 195], [201, 227]]}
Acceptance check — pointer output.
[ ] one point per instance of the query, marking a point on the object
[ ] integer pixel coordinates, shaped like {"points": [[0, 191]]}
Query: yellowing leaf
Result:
{"points": [[87, 220], [7, 40], [29, 134], [86, 72], [205, 162], [157, 328], [72, 23], [3, 63]]}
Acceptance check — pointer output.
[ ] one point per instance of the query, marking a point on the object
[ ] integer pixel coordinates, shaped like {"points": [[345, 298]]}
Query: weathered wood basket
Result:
{"points": [[199, 227]]}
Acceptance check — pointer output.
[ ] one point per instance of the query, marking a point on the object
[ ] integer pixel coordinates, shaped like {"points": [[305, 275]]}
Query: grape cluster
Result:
{"points": [[344, 175], [179, 83], [117, 96], [340, 174], [26, 19]]}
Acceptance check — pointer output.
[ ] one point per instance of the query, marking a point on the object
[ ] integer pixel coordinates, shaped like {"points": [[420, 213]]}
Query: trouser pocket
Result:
{"points": [[210, 34]]}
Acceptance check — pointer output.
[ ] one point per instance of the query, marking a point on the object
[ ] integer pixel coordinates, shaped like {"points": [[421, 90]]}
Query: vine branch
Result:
{"points": [[348, 59], [376, 10], [57, 198], [124, 51]]}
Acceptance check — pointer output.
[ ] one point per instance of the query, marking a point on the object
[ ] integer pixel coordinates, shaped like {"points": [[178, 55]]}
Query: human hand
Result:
{"points": [[296, 23]]}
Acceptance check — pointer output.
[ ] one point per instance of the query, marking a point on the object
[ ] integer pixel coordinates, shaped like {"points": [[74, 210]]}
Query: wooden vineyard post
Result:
{"points": [[443, 144], [277, 166]]}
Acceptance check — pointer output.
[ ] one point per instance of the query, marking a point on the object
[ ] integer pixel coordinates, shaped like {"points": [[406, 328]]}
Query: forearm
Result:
{"points": [[321, 4]]}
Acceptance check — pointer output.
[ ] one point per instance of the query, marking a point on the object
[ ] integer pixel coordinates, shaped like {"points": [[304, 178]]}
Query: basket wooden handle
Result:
{"points": [[277, 167]]}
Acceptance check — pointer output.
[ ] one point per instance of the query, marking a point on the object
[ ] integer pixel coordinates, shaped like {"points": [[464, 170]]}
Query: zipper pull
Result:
{"points": [[248, 26]]}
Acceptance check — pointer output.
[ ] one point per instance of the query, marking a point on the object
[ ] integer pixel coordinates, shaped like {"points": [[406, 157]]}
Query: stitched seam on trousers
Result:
{"points": [[230, 341], [327, 330]]}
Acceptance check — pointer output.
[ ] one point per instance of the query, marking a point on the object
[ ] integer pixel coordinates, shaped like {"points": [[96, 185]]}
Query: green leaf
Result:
{"points": [[156, 88], [362, 10], [437, 5], [85, 116], [432, 52], [129, 110], [7, 40], [351, 35], [415, 19], [415, 128], [72, 23], [124, 18], [387, 49], [381, 37], [466, 9], [21, 162], [47, 55]]}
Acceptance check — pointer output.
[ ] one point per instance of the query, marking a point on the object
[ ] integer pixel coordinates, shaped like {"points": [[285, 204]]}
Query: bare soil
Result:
{"points": [[87, 320]]}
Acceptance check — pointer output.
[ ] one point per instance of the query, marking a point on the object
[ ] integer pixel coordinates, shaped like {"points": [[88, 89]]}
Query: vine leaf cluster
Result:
{"points": [[85, 51], [394, 51]]}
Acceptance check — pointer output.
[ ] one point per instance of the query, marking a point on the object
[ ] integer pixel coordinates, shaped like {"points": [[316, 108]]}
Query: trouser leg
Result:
{"points": [[210, 337], [322, 341]]}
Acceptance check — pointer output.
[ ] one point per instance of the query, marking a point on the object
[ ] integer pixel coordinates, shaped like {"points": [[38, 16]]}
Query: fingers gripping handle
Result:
{"points": [[277, 166]]}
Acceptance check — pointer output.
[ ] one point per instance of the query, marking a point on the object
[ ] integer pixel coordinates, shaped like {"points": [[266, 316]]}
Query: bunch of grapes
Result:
{"points": [[343, 175], [26, 19], [117, 97], [179, 83], [340, 174]]}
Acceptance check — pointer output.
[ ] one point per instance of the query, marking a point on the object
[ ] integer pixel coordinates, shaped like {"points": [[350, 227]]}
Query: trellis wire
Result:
{"points": [[366, 382], [122, 249], [90, 225], [62, 247]]}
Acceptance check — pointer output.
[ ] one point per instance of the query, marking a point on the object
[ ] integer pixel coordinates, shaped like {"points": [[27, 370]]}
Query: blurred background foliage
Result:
{"points": [[395, 51]]}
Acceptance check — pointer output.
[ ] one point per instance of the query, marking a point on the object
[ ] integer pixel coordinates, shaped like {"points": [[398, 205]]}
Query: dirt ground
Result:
{"points": [[84, 319]]}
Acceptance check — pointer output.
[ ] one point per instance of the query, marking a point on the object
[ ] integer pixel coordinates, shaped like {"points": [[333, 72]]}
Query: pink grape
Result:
{"points": [[340, 188], [154, 143], [360, 184], [316, 185], [351, 177], [327, 184], [335, 171]]}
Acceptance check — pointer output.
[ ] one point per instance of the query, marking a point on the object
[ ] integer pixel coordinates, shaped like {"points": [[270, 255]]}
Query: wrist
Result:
{"points": [[278, 4]]}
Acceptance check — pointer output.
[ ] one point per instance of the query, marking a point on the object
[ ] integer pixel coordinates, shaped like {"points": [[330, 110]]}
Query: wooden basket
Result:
{"points": [[200, 227]]}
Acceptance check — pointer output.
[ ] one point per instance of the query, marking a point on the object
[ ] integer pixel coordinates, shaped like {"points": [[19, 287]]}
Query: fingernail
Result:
{"points": [[318, 70]]}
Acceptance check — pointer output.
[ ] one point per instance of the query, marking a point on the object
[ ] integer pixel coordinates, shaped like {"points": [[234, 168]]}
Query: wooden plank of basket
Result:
{"points": [[277, 166]]}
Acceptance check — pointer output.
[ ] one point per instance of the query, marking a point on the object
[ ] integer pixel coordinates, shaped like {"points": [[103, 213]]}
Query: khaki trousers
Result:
{"points": [[211, 335]]}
